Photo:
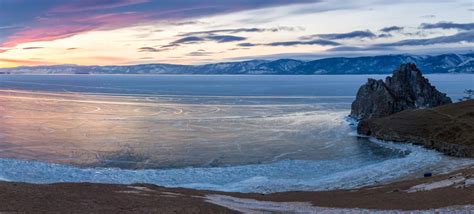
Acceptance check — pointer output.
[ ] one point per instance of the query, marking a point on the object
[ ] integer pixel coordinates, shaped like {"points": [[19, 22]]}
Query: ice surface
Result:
{"points": [[273, 177], [246, 134]]}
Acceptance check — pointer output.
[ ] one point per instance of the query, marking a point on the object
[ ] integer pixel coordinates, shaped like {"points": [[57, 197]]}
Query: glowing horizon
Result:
{"points": [[124, 32]]}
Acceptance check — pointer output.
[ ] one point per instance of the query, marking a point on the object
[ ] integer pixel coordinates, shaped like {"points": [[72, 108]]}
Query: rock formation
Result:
{"points": [[406, 89]]}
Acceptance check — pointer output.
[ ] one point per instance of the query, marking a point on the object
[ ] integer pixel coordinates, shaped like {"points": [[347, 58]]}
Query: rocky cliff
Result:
{"points": [[406, 89]]}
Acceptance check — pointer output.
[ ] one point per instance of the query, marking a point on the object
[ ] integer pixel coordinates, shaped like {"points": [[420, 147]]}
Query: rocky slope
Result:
{"points": [[406, 89], [446, 63], [448, 128]]}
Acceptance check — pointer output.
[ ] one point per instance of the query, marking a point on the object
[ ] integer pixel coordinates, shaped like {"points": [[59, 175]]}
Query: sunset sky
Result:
{"points": [[120, 32]]}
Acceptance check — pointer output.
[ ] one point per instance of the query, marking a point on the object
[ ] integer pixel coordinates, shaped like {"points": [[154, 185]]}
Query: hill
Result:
{"points": [[447, 128], [446, 63]]}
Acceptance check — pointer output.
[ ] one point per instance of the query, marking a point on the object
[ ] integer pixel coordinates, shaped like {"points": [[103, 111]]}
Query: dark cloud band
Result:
{"points": [[392, 28], [339, 36], [447, 25], [467, 36]]}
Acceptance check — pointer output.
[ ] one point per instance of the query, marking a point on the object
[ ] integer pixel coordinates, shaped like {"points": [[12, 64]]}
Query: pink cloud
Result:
{"points": [[53, 29], [50, 21], [109, 59]]}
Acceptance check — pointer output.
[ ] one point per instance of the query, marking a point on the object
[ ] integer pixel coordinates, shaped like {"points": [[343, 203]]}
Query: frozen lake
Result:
{"points": [[230, 133]]}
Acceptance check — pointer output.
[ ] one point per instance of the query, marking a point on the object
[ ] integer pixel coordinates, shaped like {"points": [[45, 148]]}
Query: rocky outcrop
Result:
{"points": [[406, 89], [448, 128], [407, 108]]}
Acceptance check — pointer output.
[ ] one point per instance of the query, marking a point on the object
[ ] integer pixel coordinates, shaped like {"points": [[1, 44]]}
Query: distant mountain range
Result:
{"points": [[446, 63]]}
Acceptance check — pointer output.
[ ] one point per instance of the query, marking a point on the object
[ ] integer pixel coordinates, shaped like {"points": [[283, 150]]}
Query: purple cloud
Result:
{"points": [[337, 36], [88, 5], [32, 48], [200, 39], [56, 19], [320, 42], [448, 25], [51, 29], [243, 30], [467, 36], [392, 28]]}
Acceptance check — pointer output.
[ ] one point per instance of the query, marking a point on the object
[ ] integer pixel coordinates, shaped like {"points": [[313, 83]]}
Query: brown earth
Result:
{"points": [[448, 128], [144, 198]]}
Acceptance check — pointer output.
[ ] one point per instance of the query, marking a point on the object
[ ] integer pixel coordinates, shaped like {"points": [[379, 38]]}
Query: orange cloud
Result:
{"points": [[18, 62]]}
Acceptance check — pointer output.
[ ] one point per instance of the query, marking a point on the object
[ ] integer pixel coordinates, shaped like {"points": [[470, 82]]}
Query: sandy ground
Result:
{"points": [[453, 192]]}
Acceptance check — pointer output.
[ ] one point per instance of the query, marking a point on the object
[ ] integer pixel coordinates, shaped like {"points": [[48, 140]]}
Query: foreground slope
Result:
{"points": [[448, 128], [443, 193]]}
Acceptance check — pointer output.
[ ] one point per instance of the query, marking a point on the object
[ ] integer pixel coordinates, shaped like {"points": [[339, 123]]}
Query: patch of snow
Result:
{"points": [[144, 189], [467, 61], [438, 184], [469, 182], [254, 206]]}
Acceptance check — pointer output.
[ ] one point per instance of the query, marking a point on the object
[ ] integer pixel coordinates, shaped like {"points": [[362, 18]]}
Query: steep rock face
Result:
{"points": [[410, 86], [374, 99], [406, 89]]}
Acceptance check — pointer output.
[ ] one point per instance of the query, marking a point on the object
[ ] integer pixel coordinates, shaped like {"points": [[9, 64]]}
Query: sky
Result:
{"points": [[124, 32]]}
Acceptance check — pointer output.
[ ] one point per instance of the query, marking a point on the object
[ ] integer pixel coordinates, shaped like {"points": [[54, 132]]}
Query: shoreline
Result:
{"points": [[243, 75], [359, 179], [445, 192], [455, 188]]}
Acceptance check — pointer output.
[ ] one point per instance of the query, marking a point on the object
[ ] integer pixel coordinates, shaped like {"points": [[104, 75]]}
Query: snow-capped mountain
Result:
{"points": [[446, 63]]}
